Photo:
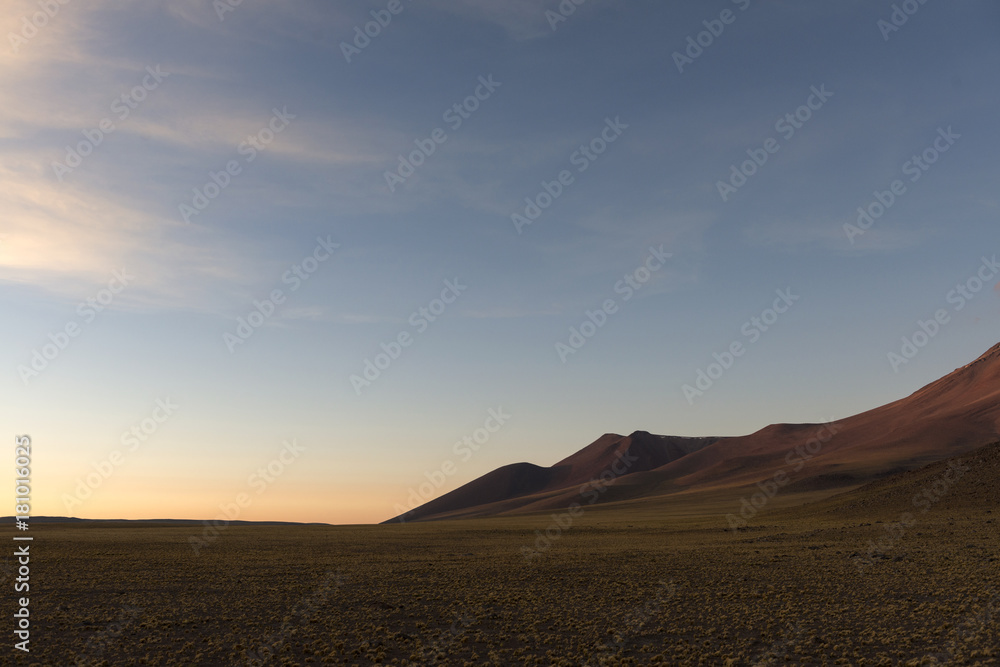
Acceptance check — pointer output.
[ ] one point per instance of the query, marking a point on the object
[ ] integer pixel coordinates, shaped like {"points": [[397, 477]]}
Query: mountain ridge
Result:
{"points": [[956, 413]]}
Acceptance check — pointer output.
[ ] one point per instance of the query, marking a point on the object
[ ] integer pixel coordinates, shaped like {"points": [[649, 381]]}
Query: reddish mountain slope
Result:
{"points": [[966, 483], [634, 453], [956, 414], [505, 487]]}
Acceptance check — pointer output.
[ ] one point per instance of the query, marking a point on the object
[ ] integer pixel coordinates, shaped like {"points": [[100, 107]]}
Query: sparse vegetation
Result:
{"points": [[460, 593]]}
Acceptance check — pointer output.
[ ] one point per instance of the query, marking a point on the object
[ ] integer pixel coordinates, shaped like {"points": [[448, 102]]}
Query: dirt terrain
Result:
{"points": [[845, 580]]}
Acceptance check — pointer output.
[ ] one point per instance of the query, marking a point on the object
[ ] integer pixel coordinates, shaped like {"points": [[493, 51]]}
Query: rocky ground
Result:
{"points": [[611, 589]]}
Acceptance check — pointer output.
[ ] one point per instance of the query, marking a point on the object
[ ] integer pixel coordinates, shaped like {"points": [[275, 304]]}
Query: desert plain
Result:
{"points": [[902, 571]]}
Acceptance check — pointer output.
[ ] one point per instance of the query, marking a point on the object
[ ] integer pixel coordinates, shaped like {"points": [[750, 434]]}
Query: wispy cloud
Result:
{"points": [[67, 241], [117, 210], [793, 235], [520, 19]]}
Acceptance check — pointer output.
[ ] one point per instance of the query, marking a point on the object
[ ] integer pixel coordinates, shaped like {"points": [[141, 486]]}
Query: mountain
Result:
{"points": [[951, 416], [965, 483], [513, 486]]}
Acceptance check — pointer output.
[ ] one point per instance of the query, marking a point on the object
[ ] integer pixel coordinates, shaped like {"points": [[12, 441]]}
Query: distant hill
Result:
{"points": [[954, 415], [161, 522], [513, 486]]}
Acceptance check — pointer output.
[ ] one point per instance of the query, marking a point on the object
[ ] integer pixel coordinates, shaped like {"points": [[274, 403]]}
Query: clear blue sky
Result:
{"points": [[309, 128]]}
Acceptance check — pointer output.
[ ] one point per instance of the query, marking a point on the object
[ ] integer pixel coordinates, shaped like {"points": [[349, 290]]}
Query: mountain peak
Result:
{"points": [[953, 415]]}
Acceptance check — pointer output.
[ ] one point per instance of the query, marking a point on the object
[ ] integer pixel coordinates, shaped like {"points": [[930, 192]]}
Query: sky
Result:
{"points": [[317, 261]]}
